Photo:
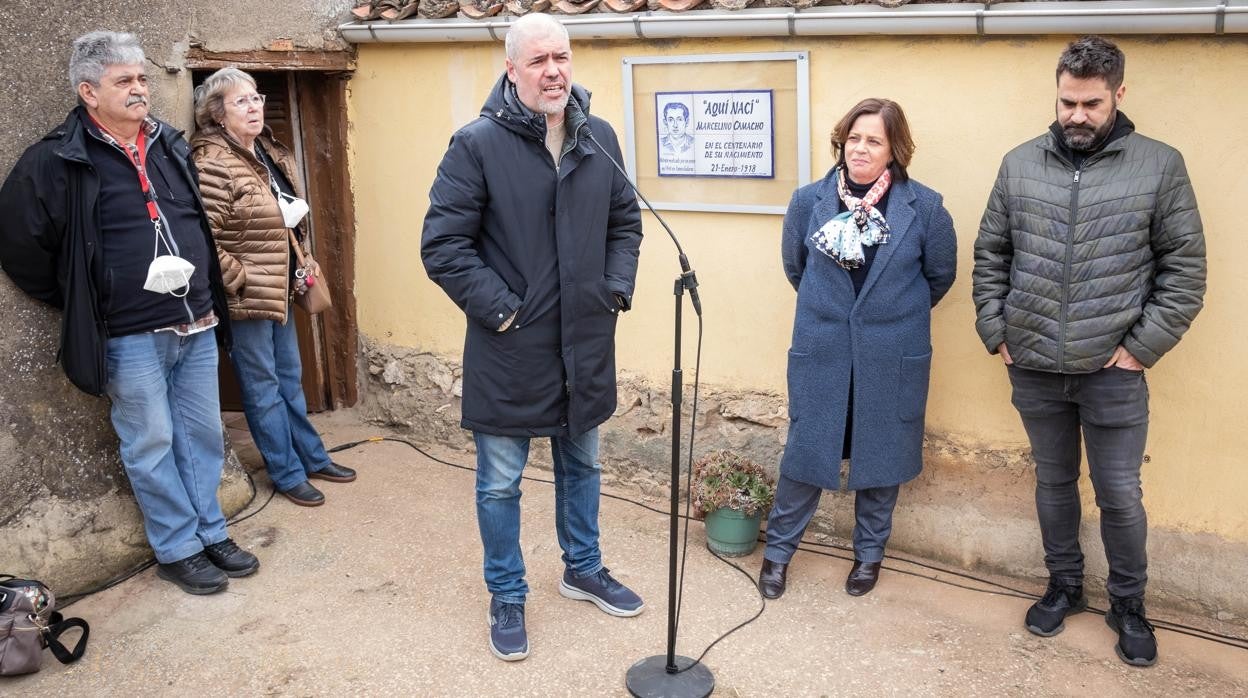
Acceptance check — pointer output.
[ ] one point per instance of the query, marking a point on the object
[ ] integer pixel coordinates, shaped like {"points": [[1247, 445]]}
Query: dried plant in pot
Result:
{"points": [[732, 493]]}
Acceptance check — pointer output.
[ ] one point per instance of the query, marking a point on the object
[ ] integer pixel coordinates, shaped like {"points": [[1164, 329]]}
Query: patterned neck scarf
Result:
{"points": [[843, 237]]}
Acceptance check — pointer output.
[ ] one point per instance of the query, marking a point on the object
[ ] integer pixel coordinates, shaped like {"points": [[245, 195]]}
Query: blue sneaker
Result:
{"points": [[604, 591], [508, 640]]}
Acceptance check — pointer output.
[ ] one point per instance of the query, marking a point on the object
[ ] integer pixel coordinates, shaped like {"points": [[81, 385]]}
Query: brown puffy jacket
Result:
{"points": [[252, 240]]}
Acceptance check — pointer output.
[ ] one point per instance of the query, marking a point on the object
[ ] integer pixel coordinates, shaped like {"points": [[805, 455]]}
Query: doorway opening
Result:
{"points": [[305, 105]]}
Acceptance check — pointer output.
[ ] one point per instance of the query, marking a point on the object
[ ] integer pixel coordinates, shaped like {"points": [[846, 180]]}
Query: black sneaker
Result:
{"points": [[1137, 645], [1046, 617], [603, 591], [231, 559], [195, 574], [508, 640]]}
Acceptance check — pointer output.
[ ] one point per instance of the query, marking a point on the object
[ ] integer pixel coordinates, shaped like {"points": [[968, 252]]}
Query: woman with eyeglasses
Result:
{"points": [[247, 179]]}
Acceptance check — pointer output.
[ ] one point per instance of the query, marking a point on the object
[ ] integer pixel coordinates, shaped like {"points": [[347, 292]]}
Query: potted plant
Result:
{"points": [[732, 493]]}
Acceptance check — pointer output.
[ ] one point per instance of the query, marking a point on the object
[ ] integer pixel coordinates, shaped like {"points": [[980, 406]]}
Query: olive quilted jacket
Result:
{"points": [[1070, 263]]}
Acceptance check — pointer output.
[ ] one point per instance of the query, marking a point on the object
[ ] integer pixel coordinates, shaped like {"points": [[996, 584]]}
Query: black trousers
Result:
{"points": [[1109, 410]]}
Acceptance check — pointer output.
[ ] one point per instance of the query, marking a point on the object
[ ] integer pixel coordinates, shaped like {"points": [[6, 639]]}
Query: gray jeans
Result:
{"points": [[1110, 408], [795, 506]]}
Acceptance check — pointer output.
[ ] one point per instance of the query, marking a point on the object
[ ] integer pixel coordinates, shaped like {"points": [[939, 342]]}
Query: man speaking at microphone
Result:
{"points": [[535, 236]]}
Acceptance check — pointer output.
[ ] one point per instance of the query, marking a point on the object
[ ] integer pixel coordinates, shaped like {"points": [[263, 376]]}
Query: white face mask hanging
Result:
{"points": [[168, 272], [293, 208]]}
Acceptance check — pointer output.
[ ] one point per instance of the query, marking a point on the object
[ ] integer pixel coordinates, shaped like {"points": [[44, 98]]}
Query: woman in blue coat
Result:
{"points": [[870, 251]]}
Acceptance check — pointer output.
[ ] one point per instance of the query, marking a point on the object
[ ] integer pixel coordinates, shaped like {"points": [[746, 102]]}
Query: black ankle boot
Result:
{"points": [[862, 578], [771, 579]]}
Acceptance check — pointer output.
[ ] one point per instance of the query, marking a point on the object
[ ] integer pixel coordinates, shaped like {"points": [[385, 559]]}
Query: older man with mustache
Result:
{"points": [[104, 222]]}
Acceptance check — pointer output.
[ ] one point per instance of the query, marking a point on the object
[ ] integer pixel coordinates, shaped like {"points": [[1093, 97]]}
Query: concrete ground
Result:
{"points": [[378, 592]]}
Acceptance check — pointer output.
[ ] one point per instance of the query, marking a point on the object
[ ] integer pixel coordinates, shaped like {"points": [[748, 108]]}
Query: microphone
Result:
{"points": [[688, 278]]}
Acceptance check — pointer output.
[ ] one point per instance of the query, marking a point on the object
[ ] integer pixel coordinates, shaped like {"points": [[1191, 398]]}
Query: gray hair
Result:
{"points": [[210, 96], [93, 53], [1094, 57], [531, 26]]}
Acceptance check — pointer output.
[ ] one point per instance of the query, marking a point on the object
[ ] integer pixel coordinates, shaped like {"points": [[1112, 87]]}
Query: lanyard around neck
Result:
{"points": [[136, 154], [263, 156]]}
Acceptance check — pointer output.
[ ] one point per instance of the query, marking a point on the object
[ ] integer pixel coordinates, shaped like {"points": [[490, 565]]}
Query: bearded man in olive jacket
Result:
{"points": [[1089, 266], [535, 235]]}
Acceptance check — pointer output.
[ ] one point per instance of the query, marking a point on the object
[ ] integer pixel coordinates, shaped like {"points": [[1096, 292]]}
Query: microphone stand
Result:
{"points": [[669, 675]]}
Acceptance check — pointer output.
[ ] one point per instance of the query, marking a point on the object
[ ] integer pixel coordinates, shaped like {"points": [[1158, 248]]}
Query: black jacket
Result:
{"points": [[507, 232], [50, 241]]}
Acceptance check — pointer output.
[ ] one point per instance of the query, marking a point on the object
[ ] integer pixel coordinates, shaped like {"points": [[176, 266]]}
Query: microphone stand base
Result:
{"points": [[649, 678]]}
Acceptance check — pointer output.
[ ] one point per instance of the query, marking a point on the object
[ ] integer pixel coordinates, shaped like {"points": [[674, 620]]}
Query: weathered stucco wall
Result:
{"points": [[969, 101], [66, 512]]}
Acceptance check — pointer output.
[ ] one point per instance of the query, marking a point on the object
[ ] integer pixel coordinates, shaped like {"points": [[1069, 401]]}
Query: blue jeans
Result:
{"points": [[1110, 409], [796, 503], [168, 417], [266, 361], [500, 464]]}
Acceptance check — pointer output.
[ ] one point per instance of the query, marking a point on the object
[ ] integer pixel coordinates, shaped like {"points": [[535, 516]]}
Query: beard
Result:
{"points": [[1085, 138], [553, 107]]}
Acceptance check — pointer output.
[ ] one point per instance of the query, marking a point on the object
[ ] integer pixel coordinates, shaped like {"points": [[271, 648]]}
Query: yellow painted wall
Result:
{"points": [[969, 101]]}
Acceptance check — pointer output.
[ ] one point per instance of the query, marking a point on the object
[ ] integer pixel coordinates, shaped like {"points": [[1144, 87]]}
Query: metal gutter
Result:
{"points": [[971, 19]]}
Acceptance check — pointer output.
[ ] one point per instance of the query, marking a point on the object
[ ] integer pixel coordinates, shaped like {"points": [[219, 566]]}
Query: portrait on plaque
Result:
{"points": [[676, 142]]}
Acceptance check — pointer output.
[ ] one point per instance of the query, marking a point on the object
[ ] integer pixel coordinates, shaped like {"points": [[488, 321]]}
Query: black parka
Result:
{"points": [[50, 241], [508, 232]]}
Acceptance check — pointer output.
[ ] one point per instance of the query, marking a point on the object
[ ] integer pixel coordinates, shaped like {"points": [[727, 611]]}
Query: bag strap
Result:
{"points": [[294, 242], [58, 625]]}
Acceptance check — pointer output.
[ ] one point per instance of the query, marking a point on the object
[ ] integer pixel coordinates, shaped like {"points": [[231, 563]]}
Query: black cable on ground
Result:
{"points": [[62, 604], [812, 547], [239, 519], [1018, 593], [751, 619], [1179, 628]]}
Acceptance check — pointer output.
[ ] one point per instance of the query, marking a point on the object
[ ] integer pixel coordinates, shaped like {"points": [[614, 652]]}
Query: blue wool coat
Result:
{"points": [[882, 338]]}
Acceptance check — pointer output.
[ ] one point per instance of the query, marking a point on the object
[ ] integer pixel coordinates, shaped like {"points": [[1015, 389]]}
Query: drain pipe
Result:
{"points": [[971, 19]]}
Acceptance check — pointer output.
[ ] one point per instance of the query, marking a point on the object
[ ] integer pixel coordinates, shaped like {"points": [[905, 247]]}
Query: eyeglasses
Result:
{"points": [[250, 100]]}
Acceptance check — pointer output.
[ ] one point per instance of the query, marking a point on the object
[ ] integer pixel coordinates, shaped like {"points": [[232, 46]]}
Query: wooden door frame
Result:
{"points": [[321, 77]]}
